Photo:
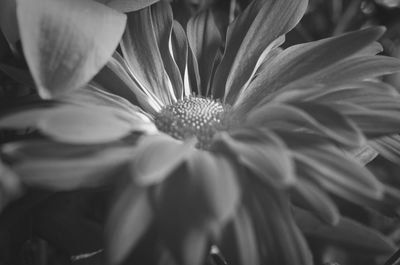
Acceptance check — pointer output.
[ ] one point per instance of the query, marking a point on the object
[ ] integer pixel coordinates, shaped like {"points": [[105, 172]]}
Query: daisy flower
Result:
{"points": [[223, 145]]}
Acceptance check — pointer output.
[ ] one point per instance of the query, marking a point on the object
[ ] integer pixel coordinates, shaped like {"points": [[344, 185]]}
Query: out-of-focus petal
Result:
{"points": [[128, 221], [10, 185], [67, 42], [157, 156], [247, 38]]}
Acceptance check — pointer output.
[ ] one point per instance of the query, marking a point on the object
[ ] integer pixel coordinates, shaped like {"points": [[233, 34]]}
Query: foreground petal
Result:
{"points": [[80, 37]]}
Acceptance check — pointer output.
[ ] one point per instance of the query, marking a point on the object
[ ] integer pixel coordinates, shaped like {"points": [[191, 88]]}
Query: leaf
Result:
{"points": [[128, 5], [87, 125], [248, 36], [140, 47], [76, 172], [80, 37], [302, 60], [347, 233], [205, 41], [130, 218], [266, 156], [156, 156]]}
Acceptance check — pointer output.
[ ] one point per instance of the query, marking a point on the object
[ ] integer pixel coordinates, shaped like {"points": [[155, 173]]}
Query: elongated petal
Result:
{"points": [[317, 118], [341, 175], [67, 42], [310, 197], [140, 46], [205, 41], [86, 125], [128, 221], [347, 233], [267, 157], [127, 5], [249, 35], [76, 172], [157, 156], [302, 60], [388, 147]]}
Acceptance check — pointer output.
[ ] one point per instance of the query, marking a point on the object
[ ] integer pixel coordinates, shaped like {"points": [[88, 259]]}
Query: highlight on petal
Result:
{"points": [[130, 218], [127, 5], [84, 125], [66, 42], [247, 38], [157, 156], [143, 46], [303, 60]]}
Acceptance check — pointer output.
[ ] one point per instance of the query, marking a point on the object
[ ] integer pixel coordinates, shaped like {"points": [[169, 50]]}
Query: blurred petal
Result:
{"points": [[80, 38], [70, 173], [264, 154], [157, 156], [140, 46], [205, 41], [130, 218], [10, 185], [87, 125], [340, 175], [248, 36], [346, 233], [127, 5], [302, 60]]}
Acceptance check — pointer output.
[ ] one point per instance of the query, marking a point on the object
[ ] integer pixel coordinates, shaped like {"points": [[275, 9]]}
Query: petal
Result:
{"points": [[388, 147], [10, 185], [80, 38], [247, 38], [157, 156], [140, 46], [93, 169], [265, 155], [127, 6], [128, 221], [205, 41], [86, 125], [346, 233], [302, 60]]}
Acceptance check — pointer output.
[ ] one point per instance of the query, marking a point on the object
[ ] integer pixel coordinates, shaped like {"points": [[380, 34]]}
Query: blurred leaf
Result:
{"points": [[80, 37]]}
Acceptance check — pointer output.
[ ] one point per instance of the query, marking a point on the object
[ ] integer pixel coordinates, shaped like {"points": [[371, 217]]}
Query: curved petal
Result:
{"points": [[127, 5], [145, 46], [260, 24], [67, 42], [302, 60]]}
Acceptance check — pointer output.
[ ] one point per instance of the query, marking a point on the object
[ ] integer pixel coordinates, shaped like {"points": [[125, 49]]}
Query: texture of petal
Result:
{"points": [[67, 42], [141, 47], [247, 38], [157, 156]]}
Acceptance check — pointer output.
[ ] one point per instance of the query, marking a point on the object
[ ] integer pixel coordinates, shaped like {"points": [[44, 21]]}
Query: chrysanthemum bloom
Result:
{"points": [[233, 140]]}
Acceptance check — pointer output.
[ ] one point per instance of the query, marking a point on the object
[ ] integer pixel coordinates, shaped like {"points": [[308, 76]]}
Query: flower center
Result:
{"points": [[189, 117]]}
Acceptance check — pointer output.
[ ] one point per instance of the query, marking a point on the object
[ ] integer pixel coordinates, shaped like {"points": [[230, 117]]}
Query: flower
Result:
{"points": [[236, 143]]}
